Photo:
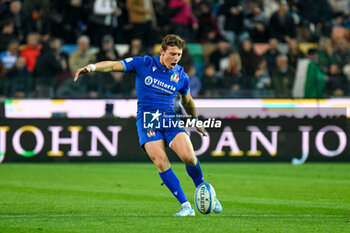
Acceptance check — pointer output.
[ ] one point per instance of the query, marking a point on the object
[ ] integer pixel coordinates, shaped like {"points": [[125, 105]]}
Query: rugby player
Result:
{"points": [[158, 81]]}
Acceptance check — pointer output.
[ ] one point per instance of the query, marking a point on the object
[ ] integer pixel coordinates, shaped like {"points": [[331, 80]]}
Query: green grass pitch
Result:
{"points": [[128, 197]]}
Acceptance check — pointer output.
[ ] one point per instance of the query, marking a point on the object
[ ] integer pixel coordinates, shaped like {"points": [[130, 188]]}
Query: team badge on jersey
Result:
{"points": [[174, 77], [151, 133]]}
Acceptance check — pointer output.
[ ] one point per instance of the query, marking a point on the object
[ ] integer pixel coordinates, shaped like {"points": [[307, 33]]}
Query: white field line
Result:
{"points": [[7, 216]]}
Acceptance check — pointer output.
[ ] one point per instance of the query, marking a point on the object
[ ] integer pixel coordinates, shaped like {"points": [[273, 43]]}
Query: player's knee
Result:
{"points": [[161, 164], [188, 157], [190, 160]]}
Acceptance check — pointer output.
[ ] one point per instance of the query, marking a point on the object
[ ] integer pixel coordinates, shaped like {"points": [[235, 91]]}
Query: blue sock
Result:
{"points": [[172, 182], [195, 172]]}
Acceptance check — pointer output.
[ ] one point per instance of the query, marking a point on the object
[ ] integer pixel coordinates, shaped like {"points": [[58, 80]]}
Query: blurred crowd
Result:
{"points": [[236, 48]]}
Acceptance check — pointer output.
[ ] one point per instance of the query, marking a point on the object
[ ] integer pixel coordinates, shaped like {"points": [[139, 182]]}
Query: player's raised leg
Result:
{"points": [[156, 151], [182, 146]]}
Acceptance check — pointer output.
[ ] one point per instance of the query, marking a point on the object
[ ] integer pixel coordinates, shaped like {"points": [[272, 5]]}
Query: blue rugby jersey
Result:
{"points": [[156, 86]]}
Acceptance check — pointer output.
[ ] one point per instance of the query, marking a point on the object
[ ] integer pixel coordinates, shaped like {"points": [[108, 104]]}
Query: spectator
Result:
{"points": [[231, 22], [183, 23], [93, 85], [31, 51], [122, 84], [337, 82], [38, 11], [211, 83], [68, 20], [256, 23], [249, 62], [103, 19], [262, 79], [282, 25], [82, 56], [162, 14], [96, 86], [195, 82], [20, 19], [48, 65], [220, 57], [135, 49], [9, 57], [272, 53], [325, 55], [18, 82], [124, 34], [270, 7], [340, 6], [232, 75], [282, 77], [107, 50], [342, 53], [294, 53], [315, 18], [65, 74], [315, 79], [142, 17], [207, 29], [7, 27]]}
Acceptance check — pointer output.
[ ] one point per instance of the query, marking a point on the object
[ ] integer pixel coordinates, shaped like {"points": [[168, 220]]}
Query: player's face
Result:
{"points": [[170, 57]]}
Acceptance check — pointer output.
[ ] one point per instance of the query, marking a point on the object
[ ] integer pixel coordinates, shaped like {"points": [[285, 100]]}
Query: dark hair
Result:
{"points": [[173, 40]]}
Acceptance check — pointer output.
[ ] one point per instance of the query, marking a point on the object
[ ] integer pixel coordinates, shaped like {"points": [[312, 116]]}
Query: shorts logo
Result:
{"points": [[174, 77], [148, 80], [151, 133]]}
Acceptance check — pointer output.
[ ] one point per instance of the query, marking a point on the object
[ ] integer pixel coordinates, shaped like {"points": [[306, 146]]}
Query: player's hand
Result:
{"points": [[83, 70], [202, 131]]}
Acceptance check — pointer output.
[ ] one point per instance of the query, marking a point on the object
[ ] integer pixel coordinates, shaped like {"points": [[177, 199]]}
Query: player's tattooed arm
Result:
{"points": [[188, 103], [103, 67]]}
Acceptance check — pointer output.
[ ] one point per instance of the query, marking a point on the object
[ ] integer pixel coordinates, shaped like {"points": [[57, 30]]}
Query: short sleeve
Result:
{"points": [[186, 86], [132, 64]]}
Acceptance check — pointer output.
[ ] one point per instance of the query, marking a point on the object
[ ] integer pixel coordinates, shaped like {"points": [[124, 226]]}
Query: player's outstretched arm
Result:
{"points": [[104, 67], [188, 103]]}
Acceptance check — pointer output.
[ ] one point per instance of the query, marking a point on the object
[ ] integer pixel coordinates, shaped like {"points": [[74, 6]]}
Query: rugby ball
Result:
{"points": [[205, 198]]}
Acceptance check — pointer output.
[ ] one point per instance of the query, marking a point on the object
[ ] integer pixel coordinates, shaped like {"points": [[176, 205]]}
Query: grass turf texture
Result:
{"points": [[129, 198]]}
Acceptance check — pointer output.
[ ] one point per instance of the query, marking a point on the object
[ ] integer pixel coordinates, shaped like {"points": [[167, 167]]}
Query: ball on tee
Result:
{"points": [[205, 198]]}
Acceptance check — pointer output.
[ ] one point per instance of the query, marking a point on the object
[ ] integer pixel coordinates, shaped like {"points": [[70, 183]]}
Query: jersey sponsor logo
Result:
{"points": [[160, 85], [148, 80], [129, 59], [174, 77]]}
